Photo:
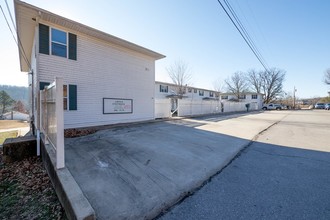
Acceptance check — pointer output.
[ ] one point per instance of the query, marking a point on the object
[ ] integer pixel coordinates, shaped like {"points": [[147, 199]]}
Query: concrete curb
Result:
{"points": [[118, 125], [68, 191]]}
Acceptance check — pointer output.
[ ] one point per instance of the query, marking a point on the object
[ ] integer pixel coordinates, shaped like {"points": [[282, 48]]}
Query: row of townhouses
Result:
{"points": [[173, 100], [106, 80]]}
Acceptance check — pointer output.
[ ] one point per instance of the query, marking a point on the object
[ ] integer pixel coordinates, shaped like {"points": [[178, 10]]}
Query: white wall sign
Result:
{"points": [[117, 106]]}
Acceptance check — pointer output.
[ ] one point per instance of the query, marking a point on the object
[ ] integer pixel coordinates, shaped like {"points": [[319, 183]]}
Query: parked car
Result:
{"points": [[319, 105], [272, 106], [327, 106]]}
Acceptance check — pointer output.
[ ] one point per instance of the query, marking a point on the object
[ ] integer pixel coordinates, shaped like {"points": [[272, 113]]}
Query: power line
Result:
{"points": [[247, 35], [20, 46], [246, 38], [11, 17], [17, 41]]}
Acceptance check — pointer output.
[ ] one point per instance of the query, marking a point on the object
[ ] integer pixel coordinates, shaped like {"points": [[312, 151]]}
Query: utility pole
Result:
{"points": [[294, 97]]}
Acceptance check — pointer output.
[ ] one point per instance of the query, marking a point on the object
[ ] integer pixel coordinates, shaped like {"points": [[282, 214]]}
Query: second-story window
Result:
{"points": [[201, 93], [56, 42], [254, 96], [59, 43], [163, 88], [211, 94]]}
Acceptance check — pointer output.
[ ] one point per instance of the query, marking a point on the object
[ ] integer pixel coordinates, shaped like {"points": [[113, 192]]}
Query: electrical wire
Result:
{"points": [[11, 17], [247, 35], [20, 47], [242, 33], [17, 41]]}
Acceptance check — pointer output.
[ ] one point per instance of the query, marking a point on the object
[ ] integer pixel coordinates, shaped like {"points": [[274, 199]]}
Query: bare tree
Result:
{"points": [[19, 106], [327, 77], [237, 84], [219, 85], [180, 75], [255, 79], [272, 83]]}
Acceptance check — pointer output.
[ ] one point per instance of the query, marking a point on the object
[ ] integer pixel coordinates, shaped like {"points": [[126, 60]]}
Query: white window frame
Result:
{"points": [[51, 42], [242, 97], [163, 88], [66, 97]]}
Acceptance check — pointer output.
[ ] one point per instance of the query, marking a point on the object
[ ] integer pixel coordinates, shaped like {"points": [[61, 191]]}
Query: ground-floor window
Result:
{"points": [[242, 97], [69, 95]]}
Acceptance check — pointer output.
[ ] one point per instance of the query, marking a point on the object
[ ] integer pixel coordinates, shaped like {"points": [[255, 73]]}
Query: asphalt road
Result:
{"points": [[284, 174]]}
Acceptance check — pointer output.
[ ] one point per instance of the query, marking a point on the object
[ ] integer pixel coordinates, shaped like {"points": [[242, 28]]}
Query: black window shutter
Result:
{"points": [[42, 85], [72, 46], [72, 97], [43, 39]]}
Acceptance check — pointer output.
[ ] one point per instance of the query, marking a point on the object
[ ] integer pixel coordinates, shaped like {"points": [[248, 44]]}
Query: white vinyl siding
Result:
{"points": [[103, 71]]}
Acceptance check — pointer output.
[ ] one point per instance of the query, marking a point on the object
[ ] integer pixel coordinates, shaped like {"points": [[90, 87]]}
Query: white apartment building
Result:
{"points": [[107, 80]]}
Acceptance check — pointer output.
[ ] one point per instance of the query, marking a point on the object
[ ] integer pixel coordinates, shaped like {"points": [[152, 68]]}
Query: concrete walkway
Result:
{"points": [[135, 172]]}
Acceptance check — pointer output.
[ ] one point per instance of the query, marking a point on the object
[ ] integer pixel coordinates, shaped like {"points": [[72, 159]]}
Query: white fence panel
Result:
{"points": [[234, 106], [192, 107], [239, 106], [185, 107], [52, 118], [162, 108]]}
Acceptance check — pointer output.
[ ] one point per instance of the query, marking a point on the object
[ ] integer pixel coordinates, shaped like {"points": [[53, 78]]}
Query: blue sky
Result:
{"points": [[293, 35]]}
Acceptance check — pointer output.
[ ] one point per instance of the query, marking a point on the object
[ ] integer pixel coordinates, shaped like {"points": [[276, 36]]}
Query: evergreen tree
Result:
{"points": [[5, 101]]}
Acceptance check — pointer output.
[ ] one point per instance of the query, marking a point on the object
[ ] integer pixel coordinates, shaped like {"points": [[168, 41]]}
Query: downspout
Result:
{"points": [[32, 102], [36, 48]]}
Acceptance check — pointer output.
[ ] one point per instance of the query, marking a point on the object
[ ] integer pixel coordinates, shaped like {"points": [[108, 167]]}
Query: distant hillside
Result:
{"points": [[16, 92]]}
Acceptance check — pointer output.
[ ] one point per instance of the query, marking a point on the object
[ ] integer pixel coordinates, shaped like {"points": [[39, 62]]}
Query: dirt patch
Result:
{"points": [[26, 191], [8, 124]]}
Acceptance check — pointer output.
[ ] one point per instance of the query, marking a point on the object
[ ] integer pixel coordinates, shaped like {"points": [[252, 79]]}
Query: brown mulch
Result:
{"points": [[71, 133], [26, 191]]}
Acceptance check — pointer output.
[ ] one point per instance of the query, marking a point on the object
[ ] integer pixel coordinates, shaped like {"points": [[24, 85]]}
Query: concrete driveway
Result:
{"points": [[135, 172], [284, 174]]}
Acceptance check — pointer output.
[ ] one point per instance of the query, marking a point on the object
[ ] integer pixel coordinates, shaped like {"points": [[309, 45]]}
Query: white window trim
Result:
{"points": [[163, 89], [51, 41], [67, 98]]}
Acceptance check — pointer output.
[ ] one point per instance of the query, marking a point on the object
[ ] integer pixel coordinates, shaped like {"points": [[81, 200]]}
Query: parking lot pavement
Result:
{"points": [[283, 174], [135, 172]]}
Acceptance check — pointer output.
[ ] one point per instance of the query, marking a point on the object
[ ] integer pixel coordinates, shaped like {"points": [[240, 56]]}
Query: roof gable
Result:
{"points": [[28, 16]]}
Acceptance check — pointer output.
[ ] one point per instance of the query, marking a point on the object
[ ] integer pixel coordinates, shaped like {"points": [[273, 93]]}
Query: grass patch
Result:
{"points": [[7, 134]]}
